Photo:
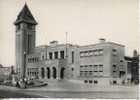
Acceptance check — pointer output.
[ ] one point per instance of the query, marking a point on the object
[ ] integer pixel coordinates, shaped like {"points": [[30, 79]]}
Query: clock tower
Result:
{"points": [[25, 38]]}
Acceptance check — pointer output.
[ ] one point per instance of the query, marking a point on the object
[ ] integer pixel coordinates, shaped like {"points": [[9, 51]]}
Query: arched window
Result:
{"points": [[62, 72], [54, 72], [48, 72], [42, 72]]}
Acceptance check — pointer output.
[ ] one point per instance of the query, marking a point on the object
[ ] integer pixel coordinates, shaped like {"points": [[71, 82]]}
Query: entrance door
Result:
{"points": [[42, 72], [54, 72], [48, 72], [62, 73]]}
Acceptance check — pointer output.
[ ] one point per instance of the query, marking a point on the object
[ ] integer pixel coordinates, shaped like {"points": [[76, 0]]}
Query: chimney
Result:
{"points": [[135, 53], [102, 40]]}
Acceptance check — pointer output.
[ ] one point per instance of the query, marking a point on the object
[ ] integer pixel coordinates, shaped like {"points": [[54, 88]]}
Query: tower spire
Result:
{"points": [[25, 16]]}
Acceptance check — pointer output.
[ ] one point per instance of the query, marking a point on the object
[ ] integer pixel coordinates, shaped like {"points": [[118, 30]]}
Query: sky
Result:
{"points": [[85, 21]]}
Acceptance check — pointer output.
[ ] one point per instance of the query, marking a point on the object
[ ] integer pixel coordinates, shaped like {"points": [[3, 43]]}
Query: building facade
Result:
{"points": [[133, 68], [100, 63], [6, 72]]}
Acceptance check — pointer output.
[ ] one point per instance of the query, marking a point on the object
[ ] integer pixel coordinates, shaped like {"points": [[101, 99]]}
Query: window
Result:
{"points": [[90, 81], [121, 74], [95, 68], [81, 54], [90, 53], [72, 69], [114, 71], [72, 54], [100, 68], [81, 73], [62, 54], [96, 53], [100, 51], [56, 55], [90, 66], [85, 81], [114, 82], [95, 82], [86, 66], [86, 73], [86, 53], [114, 66], [50, 55], [114, 52], [90, 73]]}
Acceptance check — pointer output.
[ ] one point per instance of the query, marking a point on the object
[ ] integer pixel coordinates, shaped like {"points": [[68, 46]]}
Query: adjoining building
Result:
{"points": [[133, 68], [5, 72], [101, 63]]}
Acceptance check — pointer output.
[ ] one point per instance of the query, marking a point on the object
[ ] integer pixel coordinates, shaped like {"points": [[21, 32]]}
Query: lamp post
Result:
{"points": [[24, 67]]}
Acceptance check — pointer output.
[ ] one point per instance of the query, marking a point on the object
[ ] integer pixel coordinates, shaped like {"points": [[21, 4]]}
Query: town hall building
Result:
{"points": [[100, 63]]}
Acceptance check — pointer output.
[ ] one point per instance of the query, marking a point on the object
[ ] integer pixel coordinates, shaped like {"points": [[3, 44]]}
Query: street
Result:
{"points": [[95, 94], [12, 92], [16, 94]]}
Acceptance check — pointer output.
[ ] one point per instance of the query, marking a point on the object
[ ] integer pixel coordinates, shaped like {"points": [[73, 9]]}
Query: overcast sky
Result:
{"points": [[85, 21]]}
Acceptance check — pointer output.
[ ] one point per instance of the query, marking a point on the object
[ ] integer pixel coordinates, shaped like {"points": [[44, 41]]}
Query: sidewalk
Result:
{"points": [[73, 90], [77, 87], [69, 86]]}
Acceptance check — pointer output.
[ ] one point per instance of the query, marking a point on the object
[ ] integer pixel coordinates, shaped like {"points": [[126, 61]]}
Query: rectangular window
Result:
{"points": [[56, 55], [100, 51], [95, 68], [96, 53], [81, 66], [81, 73], [95, 82], [90, 73], [91, 52], [86, 73], [62, 54], [114, 68], [50, 55], [100, 68], [114, 71], [114, 52], [81, 54], [86, 53], [72, 56]]}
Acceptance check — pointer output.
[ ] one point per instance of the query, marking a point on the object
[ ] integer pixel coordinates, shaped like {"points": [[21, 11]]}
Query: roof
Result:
{"points": [[103, 44], [128, 58], [25, 16]]}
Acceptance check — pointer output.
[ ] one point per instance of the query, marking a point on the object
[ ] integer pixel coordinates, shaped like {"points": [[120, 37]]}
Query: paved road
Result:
{"points": [[12, 92], [95, 94], [16, 94]]}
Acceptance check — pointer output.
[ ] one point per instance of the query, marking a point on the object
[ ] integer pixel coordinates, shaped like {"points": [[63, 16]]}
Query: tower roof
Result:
{"points": [[25, 16]]}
